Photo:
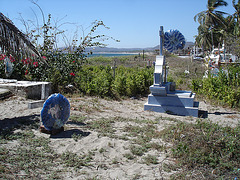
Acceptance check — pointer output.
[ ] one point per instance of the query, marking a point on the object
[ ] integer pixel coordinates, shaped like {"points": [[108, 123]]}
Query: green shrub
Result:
{"points": [[99, 80], [119, 85], [224, 87]]}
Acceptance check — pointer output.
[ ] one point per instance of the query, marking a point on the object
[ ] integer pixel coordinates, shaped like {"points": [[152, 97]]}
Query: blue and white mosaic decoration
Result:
{"points": [[55, 112], [8, 67], [174, 40]]}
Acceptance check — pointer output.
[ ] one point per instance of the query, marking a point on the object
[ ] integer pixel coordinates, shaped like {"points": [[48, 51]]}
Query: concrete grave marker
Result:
{"points": [[164, 98]]}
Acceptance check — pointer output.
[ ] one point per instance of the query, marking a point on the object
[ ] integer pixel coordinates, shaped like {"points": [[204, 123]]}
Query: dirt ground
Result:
{"points": [[109, 159]]}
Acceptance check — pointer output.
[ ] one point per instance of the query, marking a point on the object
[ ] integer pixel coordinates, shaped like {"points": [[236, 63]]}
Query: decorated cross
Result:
{"points": [[170, 40], [173, 40]]}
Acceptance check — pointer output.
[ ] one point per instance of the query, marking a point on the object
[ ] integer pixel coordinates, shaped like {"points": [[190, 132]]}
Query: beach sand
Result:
{"points": [[109, 159]]}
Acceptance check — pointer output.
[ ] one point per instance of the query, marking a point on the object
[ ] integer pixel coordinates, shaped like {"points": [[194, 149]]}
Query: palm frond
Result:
{"points": [[200, 17], [13, 41]]}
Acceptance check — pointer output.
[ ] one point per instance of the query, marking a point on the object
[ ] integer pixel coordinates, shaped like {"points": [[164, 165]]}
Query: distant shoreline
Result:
{"points": [[109, 54], [116, 52]]}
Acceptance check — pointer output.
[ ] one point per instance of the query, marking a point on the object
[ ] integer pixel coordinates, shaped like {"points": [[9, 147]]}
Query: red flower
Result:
{"points": [[35, 64], [12, 59], [26, 72], [73, 61], [72, 74], [44, 57], [26, 61], [2, 57]]}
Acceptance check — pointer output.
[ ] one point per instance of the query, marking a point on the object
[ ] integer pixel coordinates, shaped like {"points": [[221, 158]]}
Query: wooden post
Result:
{"points": [[165, 73], [114, 67], [143, 54]]}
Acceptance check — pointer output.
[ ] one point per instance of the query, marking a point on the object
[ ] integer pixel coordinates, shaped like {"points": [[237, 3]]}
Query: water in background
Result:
{"points": [[111, 54]]}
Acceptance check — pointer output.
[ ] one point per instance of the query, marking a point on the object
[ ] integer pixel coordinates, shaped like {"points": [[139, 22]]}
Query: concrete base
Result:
{"points": [[175, 102], [35, 104], [176, 110], [4, 93], [180, 98], [28, 89]]}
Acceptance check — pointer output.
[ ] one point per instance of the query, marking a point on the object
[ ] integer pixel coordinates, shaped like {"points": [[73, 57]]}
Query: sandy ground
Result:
{"points": [[111, 163]]}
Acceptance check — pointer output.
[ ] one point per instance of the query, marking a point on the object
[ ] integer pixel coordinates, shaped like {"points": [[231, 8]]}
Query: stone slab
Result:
{"points": [[181, 93], [176, 110], [160, 90], [35, 104], [27, 89], [184, 101], [4, 93], [157, 79]]}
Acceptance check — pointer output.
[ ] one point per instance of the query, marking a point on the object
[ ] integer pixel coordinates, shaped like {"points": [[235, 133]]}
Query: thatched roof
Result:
{"points": [[13, 41]]}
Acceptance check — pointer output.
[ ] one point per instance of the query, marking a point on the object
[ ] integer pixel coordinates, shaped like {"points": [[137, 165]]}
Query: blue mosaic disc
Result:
{"points": [[173, 40], [55, 112]]}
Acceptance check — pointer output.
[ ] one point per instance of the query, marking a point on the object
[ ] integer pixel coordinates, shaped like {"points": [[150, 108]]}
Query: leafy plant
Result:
{"points": [[224, 87], [57, 65], [205, 147]]}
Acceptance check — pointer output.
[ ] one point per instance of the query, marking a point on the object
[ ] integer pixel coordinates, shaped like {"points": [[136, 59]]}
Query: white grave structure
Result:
{"points": [[164, 98], [28, 89]]}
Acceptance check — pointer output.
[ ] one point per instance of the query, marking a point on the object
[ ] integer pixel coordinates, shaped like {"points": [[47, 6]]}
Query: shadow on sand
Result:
{"points": [[204, 114], [70, 133], [8, 125], [31, 121]]}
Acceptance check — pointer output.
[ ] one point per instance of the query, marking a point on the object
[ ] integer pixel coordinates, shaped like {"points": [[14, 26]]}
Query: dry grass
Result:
{"points": [[205, 149], [177, 67]]}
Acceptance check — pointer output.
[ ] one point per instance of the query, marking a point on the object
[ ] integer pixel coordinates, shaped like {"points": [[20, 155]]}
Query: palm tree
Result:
{"points": [[13, 41], [211, 20], [204, 37], [236, 16]]}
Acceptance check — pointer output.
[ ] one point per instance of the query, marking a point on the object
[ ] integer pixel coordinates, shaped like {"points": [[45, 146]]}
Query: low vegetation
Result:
{"points": [[222, 88], [201, 149], [24, 154], [183, 71], [102, 81], [205, 149]]}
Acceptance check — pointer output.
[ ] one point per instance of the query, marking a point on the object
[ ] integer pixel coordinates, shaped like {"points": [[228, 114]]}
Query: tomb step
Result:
{"points": [[175, 110], [181, 93], [173, 100], [4, 93]]}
